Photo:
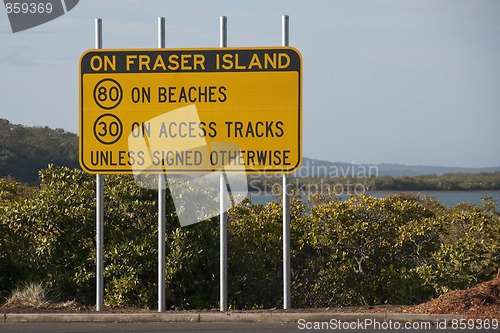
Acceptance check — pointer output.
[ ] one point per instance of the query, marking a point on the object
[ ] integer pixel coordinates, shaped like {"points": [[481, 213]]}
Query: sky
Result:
{"points": [[413, 82]]}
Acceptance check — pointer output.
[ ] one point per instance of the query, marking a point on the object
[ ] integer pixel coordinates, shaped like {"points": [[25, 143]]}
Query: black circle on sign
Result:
{"points": [[118, 100], [106, 130]]}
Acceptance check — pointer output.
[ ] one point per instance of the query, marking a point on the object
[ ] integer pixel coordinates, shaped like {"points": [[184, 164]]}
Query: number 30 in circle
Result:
{"points": [[108, 129]]}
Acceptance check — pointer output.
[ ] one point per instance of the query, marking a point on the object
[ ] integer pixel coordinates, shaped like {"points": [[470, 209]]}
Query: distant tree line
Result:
{"points": [[448, 182], [25, 150]]}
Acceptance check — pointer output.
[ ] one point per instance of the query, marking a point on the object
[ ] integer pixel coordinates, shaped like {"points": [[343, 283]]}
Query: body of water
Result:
{"points": [[448, 198]]}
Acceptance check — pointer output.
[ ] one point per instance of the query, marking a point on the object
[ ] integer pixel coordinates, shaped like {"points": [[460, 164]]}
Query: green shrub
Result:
{"points": [[402, 249], [469, 248], [51, 237]]}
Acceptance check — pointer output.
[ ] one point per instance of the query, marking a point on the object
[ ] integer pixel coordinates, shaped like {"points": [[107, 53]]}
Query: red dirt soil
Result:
{"points": [[480, 301]]}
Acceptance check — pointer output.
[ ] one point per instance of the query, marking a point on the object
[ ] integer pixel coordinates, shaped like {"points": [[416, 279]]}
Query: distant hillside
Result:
{"points": [[25, 150], [318, 168]]}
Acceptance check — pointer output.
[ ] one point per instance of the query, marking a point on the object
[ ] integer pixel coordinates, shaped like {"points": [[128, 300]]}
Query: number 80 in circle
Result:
{"points": [[108, 129], [108, 94]]}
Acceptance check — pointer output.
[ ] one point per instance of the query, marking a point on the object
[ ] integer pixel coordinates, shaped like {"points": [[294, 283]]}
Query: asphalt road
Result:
{"points": [[183, 328]]}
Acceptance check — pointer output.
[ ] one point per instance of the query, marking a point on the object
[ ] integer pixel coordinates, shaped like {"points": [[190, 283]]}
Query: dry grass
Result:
{"points": [[34, 298], [29, 295]]}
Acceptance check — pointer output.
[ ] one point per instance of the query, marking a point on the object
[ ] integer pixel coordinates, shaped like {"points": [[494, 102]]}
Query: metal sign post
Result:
{"points": [[99, 207], [161, 204], [245, 109], [223, 208], [286, 201]]}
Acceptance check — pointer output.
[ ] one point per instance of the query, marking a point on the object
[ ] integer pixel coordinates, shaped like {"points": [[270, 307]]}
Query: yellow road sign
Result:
{"points": [[191, 110]]}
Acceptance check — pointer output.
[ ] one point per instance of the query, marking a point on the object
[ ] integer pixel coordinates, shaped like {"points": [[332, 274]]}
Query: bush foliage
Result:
{"points": [[402, 249]]}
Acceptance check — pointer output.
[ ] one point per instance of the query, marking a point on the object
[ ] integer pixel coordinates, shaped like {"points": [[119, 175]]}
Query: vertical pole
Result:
{"points": [[223, 208], [223, 245], [285, 40], [223, 31], [98, 33], [161, 32], [161, 204], [161, 243], [286, 201], [99, 207]]}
